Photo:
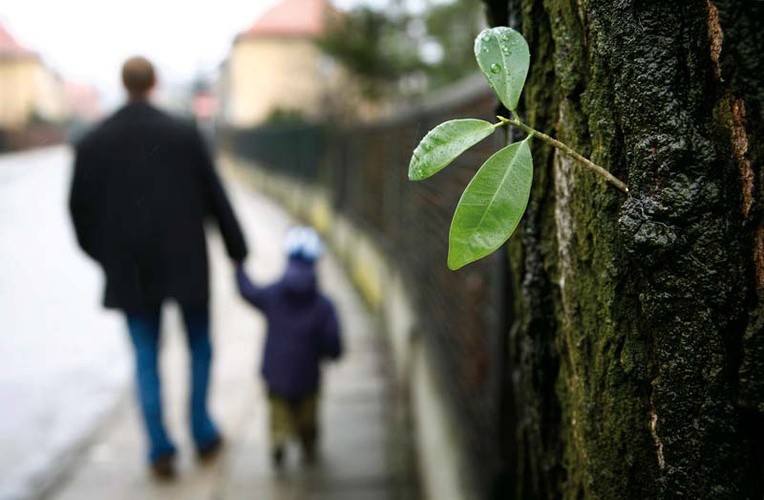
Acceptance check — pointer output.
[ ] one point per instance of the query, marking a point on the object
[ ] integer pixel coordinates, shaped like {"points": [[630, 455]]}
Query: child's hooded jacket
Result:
{"points": [[302, 329]]}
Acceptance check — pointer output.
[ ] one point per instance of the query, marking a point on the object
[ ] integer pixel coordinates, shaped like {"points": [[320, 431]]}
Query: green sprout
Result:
{"points": [[495, 200]]}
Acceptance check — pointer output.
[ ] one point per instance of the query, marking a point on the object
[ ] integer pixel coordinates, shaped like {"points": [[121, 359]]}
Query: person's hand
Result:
{"points": [[240, 272]]}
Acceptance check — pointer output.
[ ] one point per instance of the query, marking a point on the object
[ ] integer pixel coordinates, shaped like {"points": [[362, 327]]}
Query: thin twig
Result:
{"points": [[567, 150]]}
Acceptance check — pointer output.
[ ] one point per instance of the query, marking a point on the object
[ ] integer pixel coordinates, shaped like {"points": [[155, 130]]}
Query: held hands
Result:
{"points": [[240, 274], [248, 290]]}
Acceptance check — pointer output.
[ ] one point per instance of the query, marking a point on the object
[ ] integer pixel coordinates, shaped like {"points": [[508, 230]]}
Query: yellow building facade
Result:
{"points": [[28, 89], [275, 66]]}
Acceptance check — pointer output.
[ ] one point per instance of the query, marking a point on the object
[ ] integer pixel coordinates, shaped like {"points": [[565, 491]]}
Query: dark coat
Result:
{"points": [[142, 187], [302, 330]]}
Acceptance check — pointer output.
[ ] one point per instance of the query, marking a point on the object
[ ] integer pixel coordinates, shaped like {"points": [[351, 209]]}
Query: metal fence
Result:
{"points": [[292, 148], [462, 313]]}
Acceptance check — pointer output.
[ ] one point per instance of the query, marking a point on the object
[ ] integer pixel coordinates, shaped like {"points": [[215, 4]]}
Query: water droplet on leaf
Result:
{"points": [[495, 68]]}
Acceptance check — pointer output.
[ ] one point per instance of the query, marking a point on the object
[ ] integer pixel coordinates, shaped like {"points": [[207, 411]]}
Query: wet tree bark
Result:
{"points": [[637, 350]]}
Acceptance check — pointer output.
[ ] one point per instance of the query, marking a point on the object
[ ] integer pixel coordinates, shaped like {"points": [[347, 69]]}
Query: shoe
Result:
{"points": [[278, 456], [309, 455], [308, 440], [163, 467], [210, 450]]}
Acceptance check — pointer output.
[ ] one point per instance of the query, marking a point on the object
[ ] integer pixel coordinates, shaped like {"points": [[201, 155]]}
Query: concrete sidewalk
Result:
{"points": [[355, 460]]}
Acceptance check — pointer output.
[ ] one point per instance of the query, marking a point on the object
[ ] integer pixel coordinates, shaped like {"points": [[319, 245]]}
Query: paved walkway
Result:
{"points": [[354, 464]]}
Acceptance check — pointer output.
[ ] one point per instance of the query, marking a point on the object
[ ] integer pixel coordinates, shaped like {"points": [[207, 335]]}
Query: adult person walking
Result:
{"points": [[142, 187]]}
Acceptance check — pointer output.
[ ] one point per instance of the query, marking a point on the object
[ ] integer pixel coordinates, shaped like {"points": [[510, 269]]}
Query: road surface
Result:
{"points": [[63, 359]]}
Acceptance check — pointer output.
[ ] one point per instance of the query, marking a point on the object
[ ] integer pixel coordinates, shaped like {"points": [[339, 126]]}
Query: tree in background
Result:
{"points": [[374, 47], [396, 52], [451, 28]]}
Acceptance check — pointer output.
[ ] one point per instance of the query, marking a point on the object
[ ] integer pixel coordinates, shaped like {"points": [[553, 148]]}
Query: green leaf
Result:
{"points": [[445, 143], [503, 56], [491, 206]]}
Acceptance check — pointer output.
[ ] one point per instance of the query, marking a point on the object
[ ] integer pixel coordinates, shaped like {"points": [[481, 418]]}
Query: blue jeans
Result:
{"points": [[145, 335]]}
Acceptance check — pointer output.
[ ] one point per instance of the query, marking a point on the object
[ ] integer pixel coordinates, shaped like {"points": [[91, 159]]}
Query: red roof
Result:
{"points": [[293, 18], [9, 47]]}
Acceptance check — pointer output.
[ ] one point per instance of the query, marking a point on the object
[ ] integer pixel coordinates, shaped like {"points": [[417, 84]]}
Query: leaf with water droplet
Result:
{"points": [[492, 205], [445, 143], [508, 49]]}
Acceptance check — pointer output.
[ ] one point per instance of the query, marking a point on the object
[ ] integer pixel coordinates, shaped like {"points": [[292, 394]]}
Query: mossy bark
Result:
{"points": [[637, 348]]}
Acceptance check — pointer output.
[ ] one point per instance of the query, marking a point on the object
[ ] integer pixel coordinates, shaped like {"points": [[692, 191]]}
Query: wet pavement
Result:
{"points": [[355, 461], [63, 359]]}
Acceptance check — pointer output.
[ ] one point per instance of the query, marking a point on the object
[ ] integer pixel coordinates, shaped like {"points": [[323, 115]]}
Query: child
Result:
{"points": [[302, 330]]}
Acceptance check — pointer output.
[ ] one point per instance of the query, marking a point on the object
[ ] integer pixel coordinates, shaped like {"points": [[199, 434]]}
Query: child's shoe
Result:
{"points": [[308, 441], [277, 456]]}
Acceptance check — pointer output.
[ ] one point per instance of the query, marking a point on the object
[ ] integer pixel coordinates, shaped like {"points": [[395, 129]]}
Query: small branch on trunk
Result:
{"points": [[602, 172]]}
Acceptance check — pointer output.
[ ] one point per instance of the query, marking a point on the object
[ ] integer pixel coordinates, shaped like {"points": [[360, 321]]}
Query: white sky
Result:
{"points": [[86, 40]]}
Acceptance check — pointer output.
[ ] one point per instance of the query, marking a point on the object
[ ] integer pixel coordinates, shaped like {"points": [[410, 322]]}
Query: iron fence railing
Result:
{"points": [[462, 314]]}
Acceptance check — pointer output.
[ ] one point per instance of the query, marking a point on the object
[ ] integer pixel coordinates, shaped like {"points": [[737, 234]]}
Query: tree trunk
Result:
{"points": [[637, 351]]}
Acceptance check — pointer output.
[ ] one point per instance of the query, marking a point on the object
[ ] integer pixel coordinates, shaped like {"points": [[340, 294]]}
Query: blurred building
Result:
{"points": [[175, 97], [274, 67], [203, 101], [83, 102], [84, 109], [29, 91]]}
